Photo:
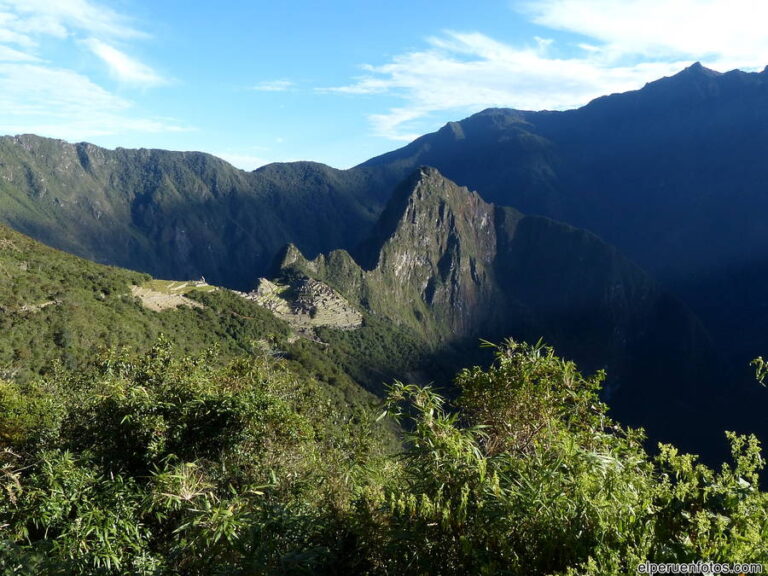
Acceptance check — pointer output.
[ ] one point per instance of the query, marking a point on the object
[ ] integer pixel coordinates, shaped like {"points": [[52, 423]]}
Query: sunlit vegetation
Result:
{"points": [[165, 463]]}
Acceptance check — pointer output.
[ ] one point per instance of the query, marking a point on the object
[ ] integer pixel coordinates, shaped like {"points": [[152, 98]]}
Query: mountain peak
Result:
{"points": [[428, 182], [426, 199], [693, 77], [697, 69]]}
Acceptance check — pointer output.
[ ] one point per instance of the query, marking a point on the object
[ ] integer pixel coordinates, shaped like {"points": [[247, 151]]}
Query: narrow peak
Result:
{"points": [[428, 182], [424, 188], [700, 70], [423, 177]]}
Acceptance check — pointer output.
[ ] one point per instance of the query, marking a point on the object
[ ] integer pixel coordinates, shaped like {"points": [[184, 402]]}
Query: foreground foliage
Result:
{"points": [[161, 464]]}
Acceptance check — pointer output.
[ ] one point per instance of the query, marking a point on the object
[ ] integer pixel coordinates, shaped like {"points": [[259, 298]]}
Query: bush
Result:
{"points": [[530, 476], [166, 464]]}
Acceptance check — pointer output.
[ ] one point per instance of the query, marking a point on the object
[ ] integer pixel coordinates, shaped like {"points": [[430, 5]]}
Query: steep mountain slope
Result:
{"points": [[671, 174], [454, 268], [174, 214]]}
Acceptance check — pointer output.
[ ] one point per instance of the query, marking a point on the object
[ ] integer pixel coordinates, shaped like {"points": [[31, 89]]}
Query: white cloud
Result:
{"points": [[24, 24], [8, 54], [466, 72], [722, 33], [61, 18], [273, 86], [122, 67], [63, 104], [39, 94], [620, 46]]}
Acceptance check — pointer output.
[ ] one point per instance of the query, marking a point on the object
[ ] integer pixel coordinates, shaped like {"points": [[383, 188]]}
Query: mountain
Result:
{"points": [[175, 214], [671, 174], [453, 268]]}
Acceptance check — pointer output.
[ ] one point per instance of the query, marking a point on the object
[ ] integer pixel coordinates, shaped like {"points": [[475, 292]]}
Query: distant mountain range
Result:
{"points": [[176, 215], [673, 175], [670, 177]]}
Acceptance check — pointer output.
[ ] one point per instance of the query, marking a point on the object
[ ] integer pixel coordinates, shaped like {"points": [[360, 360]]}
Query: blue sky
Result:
{"points": [[337, 81]]}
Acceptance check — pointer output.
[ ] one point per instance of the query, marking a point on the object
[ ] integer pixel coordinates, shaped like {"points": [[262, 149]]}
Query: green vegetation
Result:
{"points": [[55, 307], [161, 463], [229, 447]]}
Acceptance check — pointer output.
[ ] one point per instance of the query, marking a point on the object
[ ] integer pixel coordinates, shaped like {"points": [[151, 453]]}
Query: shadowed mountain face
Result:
{"points": [[452, 267], [673, 175], [173, 214]]}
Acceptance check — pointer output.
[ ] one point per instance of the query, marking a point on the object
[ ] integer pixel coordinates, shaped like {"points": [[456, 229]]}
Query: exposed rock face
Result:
{"points": [[432, 256]]}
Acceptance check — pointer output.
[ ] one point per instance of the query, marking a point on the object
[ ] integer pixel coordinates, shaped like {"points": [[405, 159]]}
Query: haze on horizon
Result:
{"points": [[255, 83]]}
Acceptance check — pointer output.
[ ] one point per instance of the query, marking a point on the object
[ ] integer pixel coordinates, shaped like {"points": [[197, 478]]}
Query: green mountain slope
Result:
{"points": [[55, 307], [175, 214]]}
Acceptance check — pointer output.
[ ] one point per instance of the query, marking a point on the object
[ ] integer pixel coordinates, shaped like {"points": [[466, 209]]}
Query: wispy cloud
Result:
{"points": [[64, 18], [466, 72], [40, 94], [273, 86], [621, 46], [64, 104], [725, 33], [8, 54], [124, 68]]}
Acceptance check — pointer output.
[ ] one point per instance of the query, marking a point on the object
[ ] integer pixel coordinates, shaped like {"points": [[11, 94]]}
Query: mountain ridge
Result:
{"points": [[173, 214]]}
